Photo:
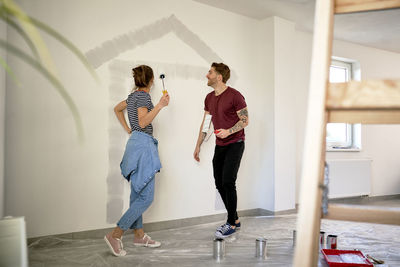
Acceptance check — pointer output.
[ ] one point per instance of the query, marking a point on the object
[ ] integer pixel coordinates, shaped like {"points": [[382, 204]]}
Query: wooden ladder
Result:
{"points": [[373, 102]]}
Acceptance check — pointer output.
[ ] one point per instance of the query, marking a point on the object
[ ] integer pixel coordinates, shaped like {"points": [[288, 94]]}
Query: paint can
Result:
{"points": [[294, 238], [219, 249], [321, 239], [261, 248], [331, 242]]}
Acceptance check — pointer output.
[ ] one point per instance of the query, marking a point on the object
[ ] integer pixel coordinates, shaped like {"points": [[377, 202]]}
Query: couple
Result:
{"points": [[141, 162]]}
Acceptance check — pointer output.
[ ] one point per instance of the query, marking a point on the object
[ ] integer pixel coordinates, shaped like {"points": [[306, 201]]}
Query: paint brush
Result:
{"points": [[162, 76]]}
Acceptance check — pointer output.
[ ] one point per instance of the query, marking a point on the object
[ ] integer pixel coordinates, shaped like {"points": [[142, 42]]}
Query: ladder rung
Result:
{"points": [[349, 6], [374, 102], [363, 214], [373, 94], [364, 116]]}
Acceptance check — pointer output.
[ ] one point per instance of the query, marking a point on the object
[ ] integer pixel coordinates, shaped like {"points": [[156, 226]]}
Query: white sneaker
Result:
{"points": [[146, 241]]}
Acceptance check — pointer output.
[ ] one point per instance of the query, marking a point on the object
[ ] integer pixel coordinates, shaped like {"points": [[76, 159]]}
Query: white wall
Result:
{"points": [[61, 186], [379, 142], [285, 110], [263, 140], [276, 115], [3, 35], [302, 61]]}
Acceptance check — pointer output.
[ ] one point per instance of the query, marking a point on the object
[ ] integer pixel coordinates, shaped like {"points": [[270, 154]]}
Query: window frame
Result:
{"points": [[353, 130]]}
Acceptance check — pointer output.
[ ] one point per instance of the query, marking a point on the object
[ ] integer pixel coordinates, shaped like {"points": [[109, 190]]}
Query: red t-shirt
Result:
{"points": [[223, 110]]}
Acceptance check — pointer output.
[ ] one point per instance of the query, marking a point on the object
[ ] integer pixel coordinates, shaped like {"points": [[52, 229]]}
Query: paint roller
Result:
{"points": [[162, 76], [207, 127]]}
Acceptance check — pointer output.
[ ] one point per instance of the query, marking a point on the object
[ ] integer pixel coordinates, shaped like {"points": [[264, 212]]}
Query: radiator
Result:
{"points": [[349, 177]]}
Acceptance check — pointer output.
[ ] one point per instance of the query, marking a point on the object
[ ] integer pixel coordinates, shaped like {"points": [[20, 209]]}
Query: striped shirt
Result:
{"points": [[136, 100]]}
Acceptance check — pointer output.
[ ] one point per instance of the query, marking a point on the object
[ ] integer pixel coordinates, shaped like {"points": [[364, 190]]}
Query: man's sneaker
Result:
{"points": [[115, 245], [222, 225], [237, 225], [219, 228], [146, 241], [226, 231]]}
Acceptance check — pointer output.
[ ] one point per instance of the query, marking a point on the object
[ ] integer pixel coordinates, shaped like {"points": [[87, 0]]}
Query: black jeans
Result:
{"points": [[226, 164]]}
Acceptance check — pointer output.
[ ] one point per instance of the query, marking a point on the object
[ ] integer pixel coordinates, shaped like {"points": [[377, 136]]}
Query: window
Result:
{"points": [[342, 136]]}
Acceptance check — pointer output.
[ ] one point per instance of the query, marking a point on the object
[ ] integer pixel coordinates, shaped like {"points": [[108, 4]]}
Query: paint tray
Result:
{"points": [[345, 258]]}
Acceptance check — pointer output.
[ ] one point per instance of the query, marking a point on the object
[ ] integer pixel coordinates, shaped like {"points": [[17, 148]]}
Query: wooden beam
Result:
{"points": [[370, 94], [363, 214], [351, 6], [309, 216], [365, 116]]}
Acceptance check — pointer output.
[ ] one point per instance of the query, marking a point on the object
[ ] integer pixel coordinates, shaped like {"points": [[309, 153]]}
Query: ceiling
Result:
{"points": [[379, 29]]}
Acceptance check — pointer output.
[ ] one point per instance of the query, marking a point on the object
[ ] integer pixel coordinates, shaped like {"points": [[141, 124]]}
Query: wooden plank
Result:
{"points": [[365, 116], [364, 95], [309, 216], [350, 6], [363, 214]]}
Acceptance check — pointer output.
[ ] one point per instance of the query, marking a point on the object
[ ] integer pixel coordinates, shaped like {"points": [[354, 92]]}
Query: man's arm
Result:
{"points": [[241, 124], [243, 121], [200, 139]]}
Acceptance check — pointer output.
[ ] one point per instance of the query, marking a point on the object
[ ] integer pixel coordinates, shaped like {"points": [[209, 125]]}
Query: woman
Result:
{"points": [[140, 162]]}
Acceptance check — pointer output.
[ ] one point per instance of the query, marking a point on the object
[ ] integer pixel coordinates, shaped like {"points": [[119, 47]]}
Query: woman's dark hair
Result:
{"points": [[142, 75]]}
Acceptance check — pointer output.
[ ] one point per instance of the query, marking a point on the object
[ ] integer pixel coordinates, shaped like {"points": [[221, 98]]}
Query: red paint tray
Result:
{"points": [[345, 258]]}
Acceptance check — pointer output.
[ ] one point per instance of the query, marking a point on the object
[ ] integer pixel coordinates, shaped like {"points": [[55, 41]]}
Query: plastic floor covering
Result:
{"points": [[193, 246]]}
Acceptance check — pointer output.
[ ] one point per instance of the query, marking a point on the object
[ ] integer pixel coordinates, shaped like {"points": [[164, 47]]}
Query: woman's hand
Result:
{"points": [[164, 100], [118, 109]]}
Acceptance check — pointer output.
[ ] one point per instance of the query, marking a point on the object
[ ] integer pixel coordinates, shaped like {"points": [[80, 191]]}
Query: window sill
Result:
{"points": [[352, 149]]}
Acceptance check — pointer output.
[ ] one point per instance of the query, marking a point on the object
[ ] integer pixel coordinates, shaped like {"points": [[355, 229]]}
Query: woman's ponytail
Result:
{"points": [[142, 75]]}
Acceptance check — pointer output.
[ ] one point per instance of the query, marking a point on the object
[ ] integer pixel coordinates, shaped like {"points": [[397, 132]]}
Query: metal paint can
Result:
{"points": [[219, 249], [294, 237], [331, 242], [321, 239], [261, 248]]}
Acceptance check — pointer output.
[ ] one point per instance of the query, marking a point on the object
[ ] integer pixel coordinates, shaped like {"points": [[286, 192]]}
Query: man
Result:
{"points": [[229, 117]]}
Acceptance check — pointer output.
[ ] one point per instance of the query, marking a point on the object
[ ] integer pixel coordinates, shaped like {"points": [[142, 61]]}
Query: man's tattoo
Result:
{"points": [[237, 127], [243, 112], [243, 115], [204, 135]]}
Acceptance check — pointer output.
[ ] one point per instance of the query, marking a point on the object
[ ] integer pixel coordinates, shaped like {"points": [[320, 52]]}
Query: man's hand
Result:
{"points": [[200, 139], [196, 153], [222, 133]]}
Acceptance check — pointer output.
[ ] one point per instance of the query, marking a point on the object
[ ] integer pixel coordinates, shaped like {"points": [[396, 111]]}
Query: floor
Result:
{"points": [[193, 246]]}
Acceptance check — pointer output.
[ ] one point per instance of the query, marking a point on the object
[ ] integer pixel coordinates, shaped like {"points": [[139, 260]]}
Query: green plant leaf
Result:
{"points": [[15, 11], [57, 36], [67, 43], [9, 71], [18, 29], [52, 79]]}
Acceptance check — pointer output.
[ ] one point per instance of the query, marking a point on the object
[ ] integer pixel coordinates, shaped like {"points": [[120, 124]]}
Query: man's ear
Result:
{"points": [[219, 77]]}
